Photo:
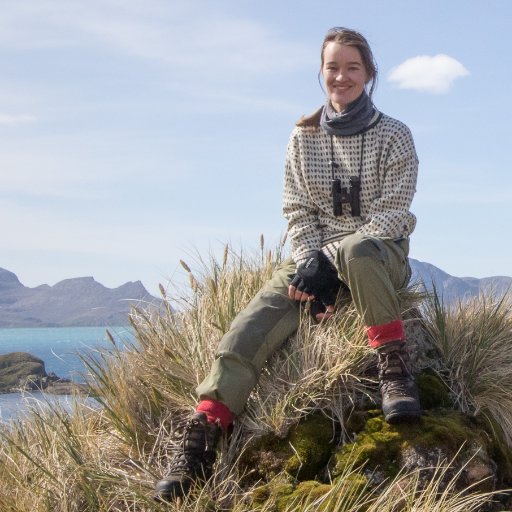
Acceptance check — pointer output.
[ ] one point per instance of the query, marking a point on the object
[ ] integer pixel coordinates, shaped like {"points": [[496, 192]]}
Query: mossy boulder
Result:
{"points": [[320, 465], [302, 455], [18, 367], [442, 436], [312, 465]]}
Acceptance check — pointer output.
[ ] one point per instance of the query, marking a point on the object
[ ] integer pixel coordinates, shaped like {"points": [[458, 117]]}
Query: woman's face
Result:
{"points": [[344, 74]]}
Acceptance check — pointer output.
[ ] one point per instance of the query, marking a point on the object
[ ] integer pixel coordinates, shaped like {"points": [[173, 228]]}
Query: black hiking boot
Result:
{"points": [[400, 402], [195, 460]]}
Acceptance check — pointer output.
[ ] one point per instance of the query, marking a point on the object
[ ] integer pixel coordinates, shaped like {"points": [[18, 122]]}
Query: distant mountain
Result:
{"points": [[454, 288], [81, 301]]}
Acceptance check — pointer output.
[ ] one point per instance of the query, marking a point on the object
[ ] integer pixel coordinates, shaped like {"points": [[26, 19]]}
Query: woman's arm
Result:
{"points": [[389, 215], [298, 207]]}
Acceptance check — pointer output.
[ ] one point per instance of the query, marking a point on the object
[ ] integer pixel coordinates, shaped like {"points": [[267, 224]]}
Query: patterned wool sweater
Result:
{"points": [[388, 183]]}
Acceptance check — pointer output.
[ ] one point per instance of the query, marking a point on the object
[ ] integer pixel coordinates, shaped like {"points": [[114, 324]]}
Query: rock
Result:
{"points": [[19, 368], [318, 456], [443, 438], [21, 371]]}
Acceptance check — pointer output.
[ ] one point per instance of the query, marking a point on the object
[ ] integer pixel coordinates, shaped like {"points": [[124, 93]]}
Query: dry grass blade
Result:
{"points": [[107, 459], [475, 339]]}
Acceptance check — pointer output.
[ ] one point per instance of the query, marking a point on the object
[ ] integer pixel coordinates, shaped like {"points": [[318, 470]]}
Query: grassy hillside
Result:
{"points": [[319, 388]]}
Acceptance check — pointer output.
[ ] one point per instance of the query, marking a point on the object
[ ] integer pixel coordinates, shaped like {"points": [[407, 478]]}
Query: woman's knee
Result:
{"points": [[281, 278], [355, 247]]}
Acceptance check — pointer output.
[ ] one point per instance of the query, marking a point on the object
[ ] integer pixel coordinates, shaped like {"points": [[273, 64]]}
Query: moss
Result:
{"points": [[325, 497], [263, 459], [280, 496], [313, 489], [277, 491], [433, 391], [357, 420], [312, 442], [302, 454], [442, 427], [356, 482], [305, 493], [261, 494], [378, 445]]}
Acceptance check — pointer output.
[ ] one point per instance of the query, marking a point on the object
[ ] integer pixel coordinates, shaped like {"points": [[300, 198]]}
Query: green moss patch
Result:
{"points": [[312, 442], [303, 454], [286, 497], [378, 445], [434, 393]]}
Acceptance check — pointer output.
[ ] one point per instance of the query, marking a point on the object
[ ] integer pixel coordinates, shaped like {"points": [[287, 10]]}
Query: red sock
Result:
{"points": [[216, 411], [379, 335]]}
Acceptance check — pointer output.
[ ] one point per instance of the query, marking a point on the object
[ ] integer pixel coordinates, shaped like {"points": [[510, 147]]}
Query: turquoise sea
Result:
{"points": [[60, 349]]}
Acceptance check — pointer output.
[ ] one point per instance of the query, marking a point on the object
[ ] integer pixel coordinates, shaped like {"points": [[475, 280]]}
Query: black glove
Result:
{"points": [[318, 277]]}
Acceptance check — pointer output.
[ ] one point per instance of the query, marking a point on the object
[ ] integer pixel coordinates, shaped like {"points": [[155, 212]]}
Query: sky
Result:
{"points": [[135, 133]]}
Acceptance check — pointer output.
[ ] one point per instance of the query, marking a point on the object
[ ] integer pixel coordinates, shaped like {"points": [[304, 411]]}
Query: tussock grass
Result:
{"points": [[107, 459], [475, 340], [321, 368]]}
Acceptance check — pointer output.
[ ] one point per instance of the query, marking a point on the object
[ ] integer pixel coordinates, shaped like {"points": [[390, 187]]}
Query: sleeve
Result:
{"points": [[389, 214], [298, 207]]}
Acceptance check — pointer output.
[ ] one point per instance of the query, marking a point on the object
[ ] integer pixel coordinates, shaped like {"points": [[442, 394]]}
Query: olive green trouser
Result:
{"points": [[372, 268]]}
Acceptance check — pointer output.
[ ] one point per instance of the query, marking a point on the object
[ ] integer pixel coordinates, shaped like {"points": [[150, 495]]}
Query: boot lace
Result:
{"points": [[197, 451], [394, 374]]}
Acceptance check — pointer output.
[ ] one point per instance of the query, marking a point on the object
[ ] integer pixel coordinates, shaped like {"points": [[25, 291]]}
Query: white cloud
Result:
{"points": [[14, 119], [425, 73]]}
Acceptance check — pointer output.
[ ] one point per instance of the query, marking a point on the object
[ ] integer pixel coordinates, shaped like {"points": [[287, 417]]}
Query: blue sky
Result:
{"points": [[134, 133]]}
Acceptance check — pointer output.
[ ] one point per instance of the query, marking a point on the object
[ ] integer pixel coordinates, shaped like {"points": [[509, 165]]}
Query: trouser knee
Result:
{"points": [[355, 247], [374, 269]]}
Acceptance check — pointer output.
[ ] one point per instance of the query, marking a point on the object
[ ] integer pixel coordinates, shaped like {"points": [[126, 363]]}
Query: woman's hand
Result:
{"points": [[318, 309], [329, 311], [321, 311], [296, 292], [317, 282]]}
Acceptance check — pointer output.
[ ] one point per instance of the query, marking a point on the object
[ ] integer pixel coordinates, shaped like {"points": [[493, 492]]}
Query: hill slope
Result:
{"points": [[454, 288], [81, 301]]}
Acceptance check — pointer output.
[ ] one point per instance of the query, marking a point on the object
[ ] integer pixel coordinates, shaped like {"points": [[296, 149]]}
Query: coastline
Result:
{"points": [[18, 406]]}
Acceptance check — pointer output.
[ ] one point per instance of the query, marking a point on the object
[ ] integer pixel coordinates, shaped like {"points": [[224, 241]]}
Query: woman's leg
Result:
{"points": [[254, 335], [256, 332], [374, 270]]}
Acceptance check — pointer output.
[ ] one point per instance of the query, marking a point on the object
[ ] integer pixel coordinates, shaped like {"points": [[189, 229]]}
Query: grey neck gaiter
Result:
{"points": [[353, 120]]}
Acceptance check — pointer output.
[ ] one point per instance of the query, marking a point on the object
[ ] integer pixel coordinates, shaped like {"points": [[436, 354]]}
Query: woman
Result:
{"points": [[350, 178]]}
